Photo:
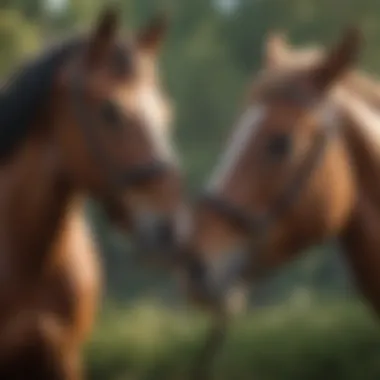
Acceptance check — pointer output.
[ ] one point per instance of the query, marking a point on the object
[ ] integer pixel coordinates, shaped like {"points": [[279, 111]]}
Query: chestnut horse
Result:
{"points": [[302, 166], [85, 118]]}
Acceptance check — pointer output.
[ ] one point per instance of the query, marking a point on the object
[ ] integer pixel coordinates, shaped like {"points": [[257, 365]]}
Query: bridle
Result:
{"points": [[118, 179], [258, 226], [255, 224]]}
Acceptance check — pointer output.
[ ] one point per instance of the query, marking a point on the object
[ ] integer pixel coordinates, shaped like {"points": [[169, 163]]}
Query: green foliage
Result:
{"points": [[18, 37], [32, 9], [332, 341]]}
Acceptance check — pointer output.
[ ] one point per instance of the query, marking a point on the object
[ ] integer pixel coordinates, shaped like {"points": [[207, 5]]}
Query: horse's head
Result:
{"points": [[113, 130], [284, 181]]}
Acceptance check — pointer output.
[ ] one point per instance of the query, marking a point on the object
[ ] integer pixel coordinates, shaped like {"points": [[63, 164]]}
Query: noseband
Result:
{"points": [[258, 225], [118, 179]]}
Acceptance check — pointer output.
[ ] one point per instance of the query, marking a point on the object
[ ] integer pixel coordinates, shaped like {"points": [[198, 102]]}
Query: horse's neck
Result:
{"points": [[361, 236], [365, 85], [361, 131], [33, 203]]}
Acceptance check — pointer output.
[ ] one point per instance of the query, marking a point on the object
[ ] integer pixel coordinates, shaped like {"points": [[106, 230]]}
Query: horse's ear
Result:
{"points": [[150, 38], [338, 60], [276, 47], [102, 37]]}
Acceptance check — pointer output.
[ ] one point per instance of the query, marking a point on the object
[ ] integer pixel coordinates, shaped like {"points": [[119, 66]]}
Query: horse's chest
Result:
{"points": [[74, 283], [68, 287]]}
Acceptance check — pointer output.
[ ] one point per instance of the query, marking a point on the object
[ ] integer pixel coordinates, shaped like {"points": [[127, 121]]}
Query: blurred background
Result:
{"points": [[306, 321]]}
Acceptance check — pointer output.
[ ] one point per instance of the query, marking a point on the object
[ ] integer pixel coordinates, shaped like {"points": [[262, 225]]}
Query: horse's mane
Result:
{"points": [[27, 90]]}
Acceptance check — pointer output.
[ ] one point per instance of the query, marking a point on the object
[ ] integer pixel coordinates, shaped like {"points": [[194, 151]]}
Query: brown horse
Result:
{"points": [[302, 166], [85, 118]]}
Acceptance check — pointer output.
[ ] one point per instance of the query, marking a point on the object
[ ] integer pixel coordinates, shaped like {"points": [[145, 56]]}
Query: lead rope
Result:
{"points": [[203, 364]]}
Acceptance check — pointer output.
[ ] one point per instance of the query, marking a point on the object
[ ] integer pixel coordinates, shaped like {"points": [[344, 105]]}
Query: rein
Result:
{"points": [[215, 338]]}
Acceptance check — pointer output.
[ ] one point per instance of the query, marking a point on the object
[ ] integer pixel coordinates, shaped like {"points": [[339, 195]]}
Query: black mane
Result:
{"points": [[26, 91]]}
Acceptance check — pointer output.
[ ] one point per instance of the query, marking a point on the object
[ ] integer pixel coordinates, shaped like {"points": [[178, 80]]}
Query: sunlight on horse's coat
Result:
{"points": [[366, 116], [156, 119]]}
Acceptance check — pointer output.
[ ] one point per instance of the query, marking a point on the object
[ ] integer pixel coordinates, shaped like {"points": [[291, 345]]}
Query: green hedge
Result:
{"points": [[337, 342]]}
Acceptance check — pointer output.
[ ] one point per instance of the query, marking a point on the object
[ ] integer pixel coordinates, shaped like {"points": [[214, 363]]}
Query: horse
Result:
{"points": [[301, 167], [87, 117]]}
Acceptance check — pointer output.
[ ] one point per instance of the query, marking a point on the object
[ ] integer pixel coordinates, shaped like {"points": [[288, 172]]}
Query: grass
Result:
{"points": [[329, 341]]}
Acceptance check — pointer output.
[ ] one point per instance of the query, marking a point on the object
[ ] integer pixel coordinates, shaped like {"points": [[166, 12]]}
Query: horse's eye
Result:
{"points": [[279, 146], [111, 113]]}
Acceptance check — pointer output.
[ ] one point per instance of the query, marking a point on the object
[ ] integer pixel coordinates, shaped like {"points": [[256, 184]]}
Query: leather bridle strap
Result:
{"points": [[257, 224]]}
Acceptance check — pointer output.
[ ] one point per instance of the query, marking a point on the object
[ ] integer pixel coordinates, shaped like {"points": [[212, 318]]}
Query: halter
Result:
{"points": [[258, 225], [118, 178]]}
